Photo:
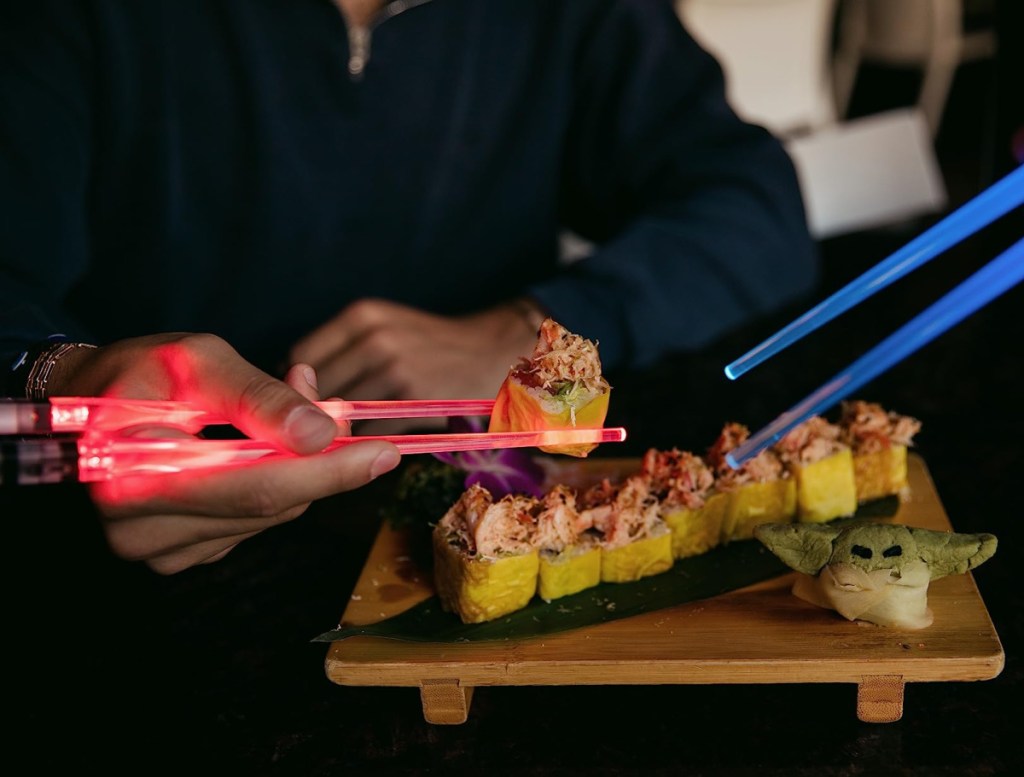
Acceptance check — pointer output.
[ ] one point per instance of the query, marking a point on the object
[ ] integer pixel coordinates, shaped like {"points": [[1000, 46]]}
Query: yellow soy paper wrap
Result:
{"points": [[756, 502], [880, 473], [520, 409], [697, 530], [482, 589], [641, 558], [574, 569], [825, 489]]}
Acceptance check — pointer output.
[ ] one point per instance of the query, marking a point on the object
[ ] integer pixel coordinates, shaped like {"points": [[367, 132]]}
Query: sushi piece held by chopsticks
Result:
{"points": [[560, 386]]}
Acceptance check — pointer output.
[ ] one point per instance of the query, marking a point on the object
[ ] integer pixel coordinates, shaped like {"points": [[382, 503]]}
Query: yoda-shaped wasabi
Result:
{"points": [[873, 572]]}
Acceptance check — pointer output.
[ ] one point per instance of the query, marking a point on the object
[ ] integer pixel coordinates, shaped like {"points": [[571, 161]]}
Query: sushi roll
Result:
{"points": [[760, 491], [485, 562], [879, 440], [635, 541], [823, 467], [691, 506], [559, 387], [570, 558]]}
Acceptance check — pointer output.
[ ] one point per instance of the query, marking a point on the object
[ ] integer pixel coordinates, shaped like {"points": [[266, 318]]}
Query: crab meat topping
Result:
{"points": [[488, 528], [459, 523], [677, 478], [762, 468], [622, 513], [563, 363], [558, 522], [506, 526], [813, 440], [867, 427]]}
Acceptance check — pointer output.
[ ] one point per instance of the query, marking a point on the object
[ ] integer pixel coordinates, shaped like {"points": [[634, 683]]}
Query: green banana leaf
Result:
{"points": [[725, 568]]}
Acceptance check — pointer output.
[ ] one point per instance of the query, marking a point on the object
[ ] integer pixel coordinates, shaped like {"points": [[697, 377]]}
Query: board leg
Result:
{"points": [[445, 701], [880, 698]]}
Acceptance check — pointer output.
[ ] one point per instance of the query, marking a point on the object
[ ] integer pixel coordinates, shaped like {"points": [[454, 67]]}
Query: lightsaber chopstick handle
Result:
{"points": [[38, 462], [994, 202], [60, 415], [998, 276]]}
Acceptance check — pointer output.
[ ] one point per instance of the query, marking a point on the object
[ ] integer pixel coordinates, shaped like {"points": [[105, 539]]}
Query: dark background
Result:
{"points": [[112, 668]]}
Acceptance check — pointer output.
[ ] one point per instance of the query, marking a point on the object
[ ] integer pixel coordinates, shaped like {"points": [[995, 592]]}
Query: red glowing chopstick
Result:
{"points": [[97, 456], [76, 414]]}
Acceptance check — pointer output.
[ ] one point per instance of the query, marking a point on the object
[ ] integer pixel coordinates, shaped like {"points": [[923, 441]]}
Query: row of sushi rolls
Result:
{"points": [[492, 556]]}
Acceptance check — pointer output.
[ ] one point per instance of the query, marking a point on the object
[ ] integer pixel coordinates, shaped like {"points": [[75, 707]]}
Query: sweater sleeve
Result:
{"points": [[696, 217], [44, 142]]}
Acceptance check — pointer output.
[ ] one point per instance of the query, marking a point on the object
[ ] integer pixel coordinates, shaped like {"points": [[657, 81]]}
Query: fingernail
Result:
{"points": [[310, 376], [306, 425], [385, 462]]}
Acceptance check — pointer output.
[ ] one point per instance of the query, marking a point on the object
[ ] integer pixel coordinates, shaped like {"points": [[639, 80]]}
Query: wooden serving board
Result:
{"points": [[758, 634]]}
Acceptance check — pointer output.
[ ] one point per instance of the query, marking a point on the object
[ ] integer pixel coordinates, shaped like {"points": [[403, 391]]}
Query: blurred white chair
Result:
{"points": [[776, 55], [869, 172], [926, 34], [777, 59]]}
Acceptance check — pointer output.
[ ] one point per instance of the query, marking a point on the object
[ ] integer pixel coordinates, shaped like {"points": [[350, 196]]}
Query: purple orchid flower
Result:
{"points": [[501, 471]]}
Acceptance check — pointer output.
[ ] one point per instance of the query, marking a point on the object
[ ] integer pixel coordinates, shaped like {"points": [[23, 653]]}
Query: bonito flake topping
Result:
{"points": [[867, 427]]}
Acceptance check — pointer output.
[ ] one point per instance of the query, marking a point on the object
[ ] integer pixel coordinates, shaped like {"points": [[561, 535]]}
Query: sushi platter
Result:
{"points": [[759, 634]]}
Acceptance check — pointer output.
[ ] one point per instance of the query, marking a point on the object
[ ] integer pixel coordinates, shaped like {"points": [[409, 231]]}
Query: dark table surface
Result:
{"points": [[213, 670]]}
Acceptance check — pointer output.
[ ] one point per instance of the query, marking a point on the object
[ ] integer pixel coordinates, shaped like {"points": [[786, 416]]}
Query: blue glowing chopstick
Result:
{"points": [[995, 201], [998, 276]]}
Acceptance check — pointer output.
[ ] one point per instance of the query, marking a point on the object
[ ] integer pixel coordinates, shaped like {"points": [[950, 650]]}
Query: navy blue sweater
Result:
{"points": [[240, 167]]}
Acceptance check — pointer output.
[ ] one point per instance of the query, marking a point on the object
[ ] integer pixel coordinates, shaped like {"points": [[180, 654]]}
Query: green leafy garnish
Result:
{"points": [[426, 489]]}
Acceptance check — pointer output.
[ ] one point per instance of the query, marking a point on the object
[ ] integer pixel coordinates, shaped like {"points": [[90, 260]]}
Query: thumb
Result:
{"points": [[265, 408], [307, 430]]}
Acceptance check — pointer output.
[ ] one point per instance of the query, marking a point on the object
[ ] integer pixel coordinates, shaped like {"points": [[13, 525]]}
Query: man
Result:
{"points": [[366, 199]]}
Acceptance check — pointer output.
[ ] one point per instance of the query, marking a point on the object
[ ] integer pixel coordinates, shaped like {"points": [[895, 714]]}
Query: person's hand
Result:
{"points": [[376, 349], [175, 521]]}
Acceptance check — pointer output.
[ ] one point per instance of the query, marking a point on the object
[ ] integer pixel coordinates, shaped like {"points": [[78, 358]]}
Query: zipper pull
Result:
{"points": [[359, 50]]}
